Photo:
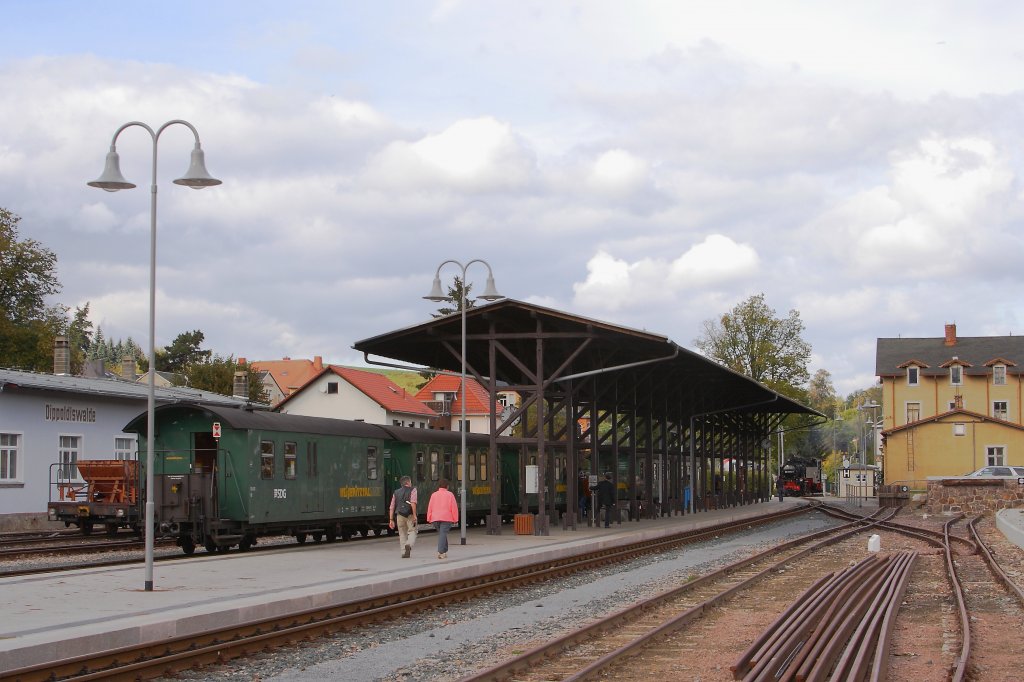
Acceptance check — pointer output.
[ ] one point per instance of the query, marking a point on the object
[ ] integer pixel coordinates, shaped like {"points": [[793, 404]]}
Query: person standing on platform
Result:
{"points": [[403, 511], [443, 512], [605, 497]]}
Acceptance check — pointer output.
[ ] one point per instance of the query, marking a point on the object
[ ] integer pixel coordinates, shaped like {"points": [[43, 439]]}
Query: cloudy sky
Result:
{"points": [[650, 164]]}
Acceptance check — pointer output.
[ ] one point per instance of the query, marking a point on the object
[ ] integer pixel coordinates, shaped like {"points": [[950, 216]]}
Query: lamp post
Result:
{"points": [[864, 407], [836, 417], [490, 294], [196, 177]]}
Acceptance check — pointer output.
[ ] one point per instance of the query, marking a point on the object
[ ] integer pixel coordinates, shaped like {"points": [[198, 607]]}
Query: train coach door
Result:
{"points": [[204, 467], [314, 501]]}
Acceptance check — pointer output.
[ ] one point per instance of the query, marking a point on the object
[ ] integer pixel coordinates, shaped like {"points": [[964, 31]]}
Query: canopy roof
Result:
{"points": [[533, 344]]}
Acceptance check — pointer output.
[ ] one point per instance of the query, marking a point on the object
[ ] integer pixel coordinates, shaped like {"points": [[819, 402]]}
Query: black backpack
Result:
{"points": [[402, 497]]}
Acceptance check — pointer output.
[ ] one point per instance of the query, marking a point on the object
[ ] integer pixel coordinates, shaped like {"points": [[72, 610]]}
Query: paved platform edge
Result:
{"points": [[58, 643]]}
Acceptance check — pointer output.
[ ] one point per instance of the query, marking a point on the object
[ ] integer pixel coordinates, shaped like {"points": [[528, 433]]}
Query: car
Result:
{"points": [[997, 471]]}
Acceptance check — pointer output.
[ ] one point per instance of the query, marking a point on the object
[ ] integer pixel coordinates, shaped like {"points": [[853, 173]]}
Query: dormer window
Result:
{"points": [[956, 375], [999, 375], [913, 375]]}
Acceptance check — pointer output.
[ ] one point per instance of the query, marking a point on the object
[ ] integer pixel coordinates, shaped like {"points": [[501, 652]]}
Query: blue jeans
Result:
{"points": [[442, 535]]}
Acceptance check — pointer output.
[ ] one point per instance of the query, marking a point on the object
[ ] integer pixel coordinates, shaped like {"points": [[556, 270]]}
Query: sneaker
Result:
{"points": [[408, 551], [440, 556], [444, 555]]}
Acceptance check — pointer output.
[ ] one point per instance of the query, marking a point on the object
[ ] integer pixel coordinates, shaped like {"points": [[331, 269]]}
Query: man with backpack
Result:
{"points": [[403, 511]]}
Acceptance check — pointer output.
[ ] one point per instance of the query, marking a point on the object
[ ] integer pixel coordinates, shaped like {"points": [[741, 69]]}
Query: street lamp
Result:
{"points": [[869, 405], [836, 417], [490, 294], [196, 177]]}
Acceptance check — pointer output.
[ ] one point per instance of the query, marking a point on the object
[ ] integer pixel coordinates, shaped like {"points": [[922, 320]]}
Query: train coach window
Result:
{"points": [[458, 466], [419, 466], [291, 451], [435, 462], [472, 466], [266, 459], [371, 463], [483, 466], [312, 465]]}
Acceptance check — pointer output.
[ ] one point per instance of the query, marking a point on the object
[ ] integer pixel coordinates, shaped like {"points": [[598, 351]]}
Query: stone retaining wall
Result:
{"points": [[973, 495], [28, 521]]}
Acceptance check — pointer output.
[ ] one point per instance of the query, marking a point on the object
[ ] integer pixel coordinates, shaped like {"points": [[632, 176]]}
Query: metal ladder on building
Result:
{"points": [[910, 449]]}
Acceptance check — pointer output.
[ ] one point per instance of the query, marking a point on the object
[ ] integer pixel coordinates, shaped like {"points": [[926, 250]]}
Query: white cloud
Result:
{"points": [[618, 171], [613, 283], [715, 260], [470, 155]]}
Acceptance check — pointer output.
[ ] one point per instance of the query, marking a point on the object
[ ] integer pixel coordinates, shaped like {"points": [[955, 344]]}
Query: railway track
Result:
{"points": [[168, 656], [851, 636], [670, 621]]}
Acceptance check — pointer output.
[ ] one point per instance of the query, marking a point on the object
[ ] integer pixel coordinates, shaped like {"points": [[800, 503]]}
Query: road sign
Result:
{"points": [[216, 429]]}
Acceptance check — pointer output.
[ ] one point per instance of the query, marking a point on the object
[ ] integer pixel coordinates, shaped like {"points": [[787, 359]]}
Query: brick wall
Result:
{"points": [[973, 495]]}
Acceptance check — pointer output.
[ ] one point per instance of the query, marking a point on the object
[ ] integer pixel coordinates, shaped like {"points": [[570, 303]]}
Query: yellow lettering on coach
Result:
{"points": [[355, 492], [480, 490]]}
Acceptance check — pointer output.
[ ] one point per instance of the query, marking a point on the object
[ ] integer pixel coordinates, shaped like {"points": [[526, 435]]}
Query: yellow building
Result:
{"points": [[950, 405]]}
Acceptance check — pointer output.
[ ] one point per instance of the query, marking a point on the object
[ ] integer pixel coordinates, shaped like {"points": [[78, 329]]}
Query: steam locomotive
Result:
{"points": [[801, 477]]}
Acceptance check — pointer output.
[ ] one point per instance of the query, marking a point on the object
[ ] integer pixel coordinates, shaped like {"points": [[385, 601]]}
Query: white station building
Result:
{"points": [[48, 422]]}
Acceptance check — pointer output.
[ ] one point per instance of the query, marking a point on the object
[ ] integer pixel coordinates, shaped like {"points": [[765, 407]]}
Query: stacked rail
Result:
{"points": [[841, 626]]}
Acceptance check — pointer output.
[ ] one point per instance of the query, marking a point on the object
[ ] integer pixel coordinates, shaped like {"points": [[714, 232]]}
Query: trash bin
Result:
{"points": [[524, 524]]}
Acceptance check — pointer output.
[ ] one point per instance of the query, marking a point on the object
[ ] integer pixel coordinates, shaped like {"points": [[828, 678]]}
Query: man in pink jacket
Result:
{"points": [[442, 511]]}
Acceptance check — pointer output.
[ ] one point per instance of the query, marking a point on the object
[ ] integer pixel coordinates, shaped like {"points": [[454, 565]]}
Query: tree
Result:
{"points": [[752, 341], [455, 294], [27, 274], [217, 375], [184, 351], [80, 338]]}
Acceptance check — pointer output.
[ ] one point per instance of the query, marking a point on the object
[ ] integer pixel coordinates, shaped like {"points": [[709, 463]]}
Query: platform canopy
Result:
{"points": [[533, 344]]}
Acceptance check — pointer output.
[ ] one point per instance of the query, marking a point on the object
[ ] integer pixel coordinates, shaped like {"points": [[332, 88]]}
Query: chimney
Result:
{"points": [[241, 385], [950, 335], [318, 363], [242, 362], [61, 356], [128, 368]]}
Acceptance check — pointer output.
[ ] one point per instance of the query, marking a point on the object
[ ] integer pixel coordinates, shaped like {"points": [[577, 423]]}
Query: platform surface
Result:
{"points": [[51, 617]]}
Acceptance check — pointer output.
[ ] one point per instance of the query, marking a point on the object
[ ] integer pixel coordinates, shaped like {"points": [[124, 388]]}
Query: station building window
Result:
{"points": [[332, 387], [10, 451], [266, 459], [999, 375], [70, 447], [124, 447], [913, 376], [1000, 409], [956, 375], [291, 460]]}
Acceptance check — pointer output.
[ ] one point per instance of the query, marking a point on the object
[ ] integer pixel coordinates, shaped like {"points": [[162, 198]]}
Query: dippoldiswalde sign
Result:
{"points": [[68, 413]]}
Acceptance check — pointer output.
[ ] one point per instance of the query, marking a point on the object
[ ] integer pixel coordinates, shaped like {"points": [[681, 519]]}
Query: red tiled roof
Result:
{"points": [[290, 374], [383, 391], [477, 397]]}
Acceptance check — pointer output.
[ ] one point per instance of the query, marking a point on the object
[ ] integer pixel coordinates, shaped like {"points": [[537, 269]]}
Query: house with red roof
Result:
{"points": [[283, 377], [349, 393], [444, 395]]}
